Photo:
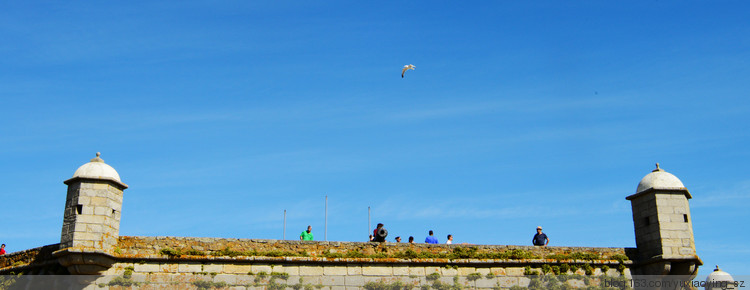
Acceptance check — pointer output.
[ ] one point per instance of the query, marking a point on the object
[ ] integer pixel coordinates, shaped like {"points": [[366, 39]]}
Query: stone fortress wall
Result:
{"points": [[156, 262], [90, 245]]}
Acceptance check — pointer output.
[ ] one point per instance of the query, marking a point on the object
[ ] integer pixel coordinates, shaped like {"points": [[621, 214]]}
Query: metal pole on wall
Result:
{"points": [[368, 221], [283, 236], [325, 233]]}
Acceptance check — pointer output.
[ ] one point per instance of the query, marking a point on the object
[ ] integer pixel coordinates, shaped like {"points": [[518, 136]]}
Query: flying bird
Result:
{"points": [[407, 67]]}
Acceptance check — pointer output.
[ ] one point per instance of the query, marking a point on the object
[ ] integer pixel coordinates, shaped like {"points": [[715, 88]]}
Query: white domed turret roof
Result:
{"points": [[713, 281], [97, 169], [659, 179]]}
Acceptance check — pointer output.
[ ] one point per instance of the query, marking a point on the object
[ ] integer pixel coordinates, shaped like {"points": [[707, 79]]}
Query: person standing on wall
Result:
{"points": [[379, 234], [450, 240], [431, 239], [540, 238], [306, 235], [2, 249]]}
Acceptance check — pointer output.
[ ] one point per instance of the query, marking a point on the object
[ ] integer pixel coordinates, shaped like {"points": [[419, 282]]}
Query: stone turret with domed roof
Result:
{"points": [[97, 169], [720, 280], [92, 207], [663, 226]]}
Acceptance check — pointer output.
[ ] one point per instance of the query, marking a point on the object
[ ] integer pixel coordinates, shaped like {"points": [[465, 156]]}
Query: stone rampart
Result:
{"points": [[32, 261], [326, 252], [252, 263]]}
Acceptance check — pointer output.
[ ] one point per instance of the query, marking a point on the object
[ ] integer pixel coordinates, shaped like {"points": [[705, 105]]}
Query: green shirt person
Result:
{"points": [[306, 235]]}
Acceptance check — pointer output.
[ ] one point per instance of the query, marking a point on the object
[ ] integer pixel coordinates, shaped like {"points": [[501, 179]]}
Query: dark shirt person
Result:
{"points": [[379, 234], [540, 238]]}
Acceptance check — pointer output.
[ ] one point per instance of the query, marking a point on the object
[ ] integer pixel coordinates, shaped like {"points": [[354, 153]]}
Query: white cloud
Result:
{"points": [[737, 195]]}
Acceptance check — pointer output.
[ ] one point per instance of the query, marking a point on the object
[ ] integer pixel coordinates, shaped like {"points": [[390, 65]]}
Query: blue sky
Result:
{"points": [[221, 115]]}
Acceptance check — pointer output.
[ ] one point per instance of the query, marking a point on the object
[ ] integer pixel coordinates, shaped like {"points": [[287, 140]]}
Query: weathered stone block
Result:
{"points": [[670, 242], [498, 271], [81, 200], [141, 278], [524, 282], [96, 201], [514, 271], [448, 271], [291, 270], [189, 268], [460, 280], [213, 268], [102, 210], [257, 268], [314, 280], [182, 278], [99, 186], [413, 280], [432, 269], [311, 270], [333, 280], [686, 251], [464, 271], [416, 271], [377, 271], [354, 281], [230, 279], [146, 268], [684, 235], [352, 269], [400, 271], [90, 219], [168, 268], [94, 228], [674, 226], [486, 283], [83, 243], [335, 270], [483, 271]]}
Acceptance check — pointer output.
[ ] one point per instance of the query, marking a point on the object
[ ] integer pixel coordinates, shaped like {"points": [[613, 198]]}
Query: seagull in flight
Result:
{"points": [[407, 67]]}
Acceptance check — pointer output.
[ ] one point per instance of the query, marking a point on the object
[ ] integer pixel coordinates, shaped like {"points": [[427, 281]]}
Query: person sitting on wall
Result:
{"points": [[2, 249], [379, 234], [540, 238], [306, 235], [411, 239], [398, 239], [450, 240], [431, 239]]}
